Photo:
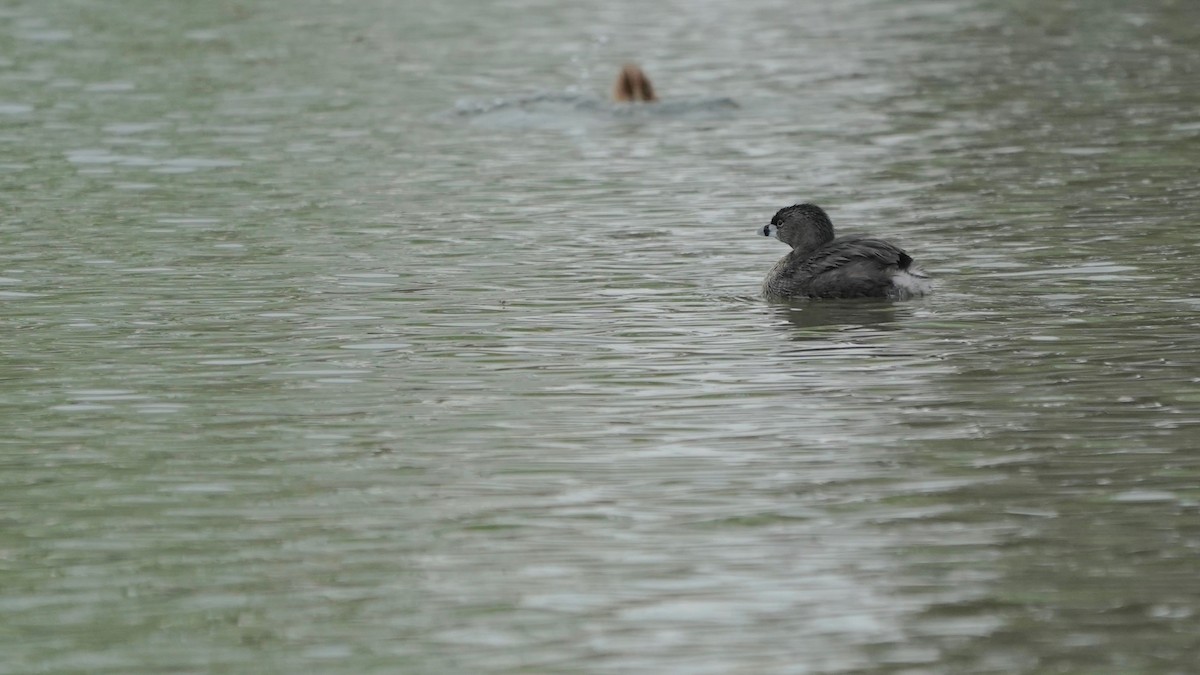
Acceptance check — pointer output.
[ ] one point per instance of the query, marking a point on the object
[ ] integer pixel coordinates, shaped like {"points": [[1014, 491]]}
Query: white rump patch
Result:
{"points": [[911, 283]]}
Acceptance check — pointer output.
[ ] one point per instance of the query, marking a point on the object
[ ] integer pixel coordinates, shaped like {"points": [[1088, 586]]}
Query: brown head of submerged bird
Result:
{"points": [[633, 85]]}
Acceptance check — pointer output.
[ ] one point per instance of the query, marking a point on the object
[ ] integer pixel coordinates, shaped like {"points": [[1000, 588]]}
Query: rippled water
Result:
{"points": [[367, 337]]}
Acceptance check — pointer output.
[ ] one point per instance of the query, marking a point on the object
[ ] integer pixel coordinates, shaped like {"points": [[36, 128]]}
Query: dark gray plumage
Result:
{"points": [[821, 266]]}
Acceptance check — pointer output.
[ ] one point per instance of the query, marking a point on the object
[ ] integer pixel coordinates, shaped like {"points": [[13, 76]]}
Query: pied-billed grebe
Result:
{"points": [[821, 266], [633, 85]]}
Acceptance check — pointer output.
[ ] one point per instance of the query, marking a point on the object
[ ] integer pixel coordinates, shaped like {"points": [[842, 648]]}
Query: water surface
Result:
{"points": [[321, 350]]}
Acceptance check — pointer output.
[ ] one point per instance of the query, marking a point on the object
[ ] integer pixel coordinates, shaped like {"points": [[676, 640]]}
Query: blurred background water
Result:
{"points": [[365, 336]]}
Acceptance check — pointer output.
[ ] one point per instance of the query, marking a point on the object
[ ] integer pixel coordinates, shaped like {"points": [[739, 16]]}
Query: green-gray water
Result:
{"points": [[327, 346]]}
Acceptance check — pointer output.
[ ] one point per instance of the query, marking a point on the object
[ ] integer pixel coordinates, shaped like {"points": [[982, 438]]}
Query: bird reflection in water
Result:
{"points": [[849, 313]]}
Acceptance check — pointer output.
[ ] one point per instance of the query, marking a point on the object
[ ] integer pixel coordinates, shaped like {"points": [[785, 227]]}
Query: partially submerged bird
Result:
{"points": [[821, 266], [633, 85]]}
